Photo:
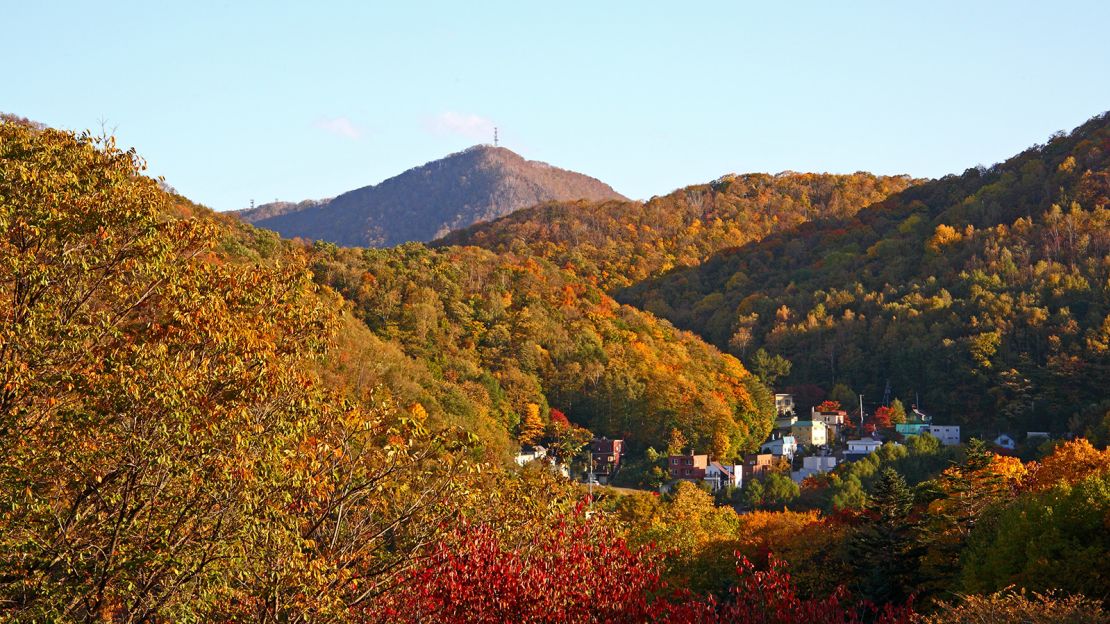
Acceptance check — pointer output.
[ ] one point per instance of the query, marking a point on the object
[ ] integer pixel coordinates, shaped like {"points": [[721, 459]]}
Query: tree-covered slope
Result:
{"points": [[517, 333], [985, 293], [619, 243]]}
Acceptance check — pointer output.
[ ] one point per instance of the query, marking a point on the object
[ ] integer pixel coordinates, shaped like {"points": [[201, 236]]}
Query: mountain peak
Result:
{"points": [[480, 183]]}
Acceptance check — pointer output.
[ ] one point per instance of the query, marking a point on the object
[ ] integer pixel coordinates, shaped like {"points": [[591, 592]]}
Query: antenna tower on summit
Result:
{"points": [[495, 136]]}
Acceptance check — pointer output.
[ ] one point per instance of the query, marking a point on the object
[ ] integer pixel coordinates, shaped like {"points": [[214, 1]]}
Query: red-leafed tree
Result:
{"points": [[882, 417], [577, 571], [829, 406], [558, 418]]}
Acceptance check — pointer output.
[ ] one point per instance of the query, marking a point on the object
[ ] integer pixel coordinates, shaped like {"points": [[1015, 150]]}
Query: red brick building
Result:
{"points": [[687, 466], [607, 456], [757, 465]]}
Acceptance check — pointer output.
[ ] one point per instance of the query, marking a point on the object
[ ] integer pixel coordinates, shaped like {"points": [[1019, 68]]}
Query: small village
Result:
{"points": [[828, 437]]}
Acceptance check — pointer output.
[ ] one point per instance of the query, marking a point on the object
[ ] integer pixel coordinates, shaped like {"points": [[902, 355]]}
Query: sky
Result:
{"points": [[234, 101]]}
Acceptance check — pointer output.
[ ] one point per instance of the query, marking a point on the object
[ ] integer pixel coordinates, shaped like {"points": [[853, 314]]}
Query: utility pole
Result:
{"points": [[590, 482], [861, 414]]}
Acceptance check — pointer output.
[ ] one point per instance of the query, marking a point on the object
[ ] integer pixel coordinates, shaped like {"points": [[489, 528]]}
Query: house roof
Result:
{"points": [[725, 469]]}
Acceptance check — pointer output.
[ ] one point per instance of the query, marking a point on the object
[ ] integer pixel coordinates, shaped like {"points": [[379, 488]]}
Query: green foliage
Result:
{"points": [[779, 490], [647, 471], [769, 368], [754, 494], [1055, 539], [921, 458]]}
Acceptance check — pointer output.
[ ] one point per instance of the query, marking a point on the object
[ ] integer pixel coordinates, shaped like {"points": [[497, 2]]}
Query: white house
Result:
{"points": [[719, 475], [785, 446], [537, 452], [949, 435], [814, 464], [784, 403], [1005, 441], [863, 446]]}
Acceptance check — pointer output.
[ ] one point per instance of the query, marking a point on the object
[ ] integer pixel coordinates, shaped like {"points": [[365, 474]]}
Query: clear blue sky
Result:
{"points": [[238, 100]]}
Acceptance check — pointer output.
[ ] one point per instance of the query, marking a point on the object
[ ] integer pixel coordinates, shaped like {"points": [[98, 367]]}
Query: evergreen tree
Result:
{"points": [[754, 494], [882, 550]]}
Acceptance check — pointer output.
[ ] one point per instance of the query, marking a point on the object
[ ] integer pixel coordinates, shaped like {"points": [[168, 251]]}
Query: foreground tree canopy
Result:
{"points": [[166, 449]]}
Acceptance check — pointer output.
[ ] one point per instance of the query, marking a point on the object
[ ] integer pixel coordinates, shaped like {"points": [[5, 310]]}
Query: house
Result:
{"points": [[813, 464], [910, 429], [718, 475], [831, 417], [1005, 441], [834, 421], [781, 446], [687, 467], [784, 404], [606, 455], [1036, 437], [757, 465], [810, 433], [530, 455], [949, 435], [863, 446]]}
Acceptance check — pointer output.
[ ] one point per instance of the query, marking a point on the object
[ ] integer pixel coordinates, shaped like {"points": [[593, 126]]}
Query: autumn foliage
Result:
{"points": [[577, 571]]}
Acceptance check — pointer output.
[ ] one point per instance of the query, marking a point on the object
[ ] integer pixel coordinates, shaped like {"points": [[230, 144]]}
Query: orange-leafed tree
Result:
{"points": [[1070, 462], [531, 426]]}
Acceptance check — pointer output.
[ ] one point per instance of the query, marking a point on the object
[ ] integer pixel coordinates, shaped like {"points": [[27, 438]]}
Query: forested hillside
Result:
{"points": [[619, 243], [987, 293], [477, 184], [510, 335]]}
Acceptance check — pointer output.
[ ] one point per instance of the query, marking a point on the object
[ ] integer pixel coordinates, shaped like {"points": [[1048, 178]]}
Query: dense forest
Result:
{"points": [[201, 421], [509, 335], [618, 243], [986, 294]]}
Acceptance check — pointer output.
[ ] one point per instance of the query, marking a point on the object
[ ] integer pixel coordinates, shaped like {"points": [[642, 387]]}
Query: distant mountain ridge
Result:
{"points": [[477, 184]]}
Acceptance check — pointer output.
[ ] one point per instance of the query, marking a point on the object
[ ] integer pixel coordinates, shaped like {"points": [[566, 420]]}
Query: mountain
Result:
{"points": [[477, 184], [986, 294], [618, 243]]}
